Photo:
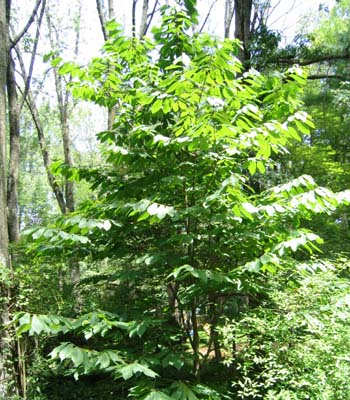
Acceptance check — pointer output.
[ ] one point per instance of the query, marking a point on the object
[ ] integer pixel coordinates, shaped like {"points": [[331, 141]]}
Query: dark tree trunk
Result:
{"points": [[243, 11], [13, 174]]}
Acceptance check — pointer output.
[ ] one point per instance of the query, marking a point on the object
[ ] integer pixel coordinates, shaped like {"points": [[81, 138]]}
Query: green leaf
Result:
{"points": [[157, 395], [37, 325], [172, 360], [76, 356], [130, 370], [157, 105], [252, 167], [67, 67], [182, 392]]}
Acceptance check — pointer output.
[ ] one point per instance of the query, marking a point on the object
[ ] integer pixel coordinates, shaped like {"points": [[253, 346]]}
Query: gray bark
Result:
{"points": [[229, 11], [143, 26], [111, 13]]}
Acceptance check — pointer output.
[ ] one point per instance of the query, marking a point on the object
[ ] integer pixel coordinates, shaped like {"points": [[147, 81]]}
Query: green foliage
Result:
{"points": [[178, 215], [295, 346]]}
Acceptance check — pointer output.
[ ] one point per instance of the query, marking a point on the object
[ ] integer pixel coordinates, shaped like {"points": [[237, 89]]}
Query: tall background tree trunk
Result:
{"points": [[63, 99], [13, 173], [229, 11], [8, 381], [243, 11]]}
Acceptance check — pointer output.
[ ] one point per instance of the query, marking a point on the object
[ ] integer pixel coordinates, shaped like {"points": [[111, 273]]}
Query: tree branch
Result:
{"points": [[317, 59], [35, 46], [27, 26], [327, 76], [207, 16], [150, 16]]}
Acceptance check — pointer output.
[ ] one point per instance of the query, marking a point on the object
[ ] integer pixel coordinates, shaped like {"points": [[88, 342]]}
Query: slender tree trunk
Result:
{"points": [[111, 13], [195, 342], [133, 18], [102, 18], [4, 256], [31, 104], [13, 174], [45, 153], [3, 79], [147, 17], [63, 105], [143, 26], [8, 381], [229, 11], [67, 145]]}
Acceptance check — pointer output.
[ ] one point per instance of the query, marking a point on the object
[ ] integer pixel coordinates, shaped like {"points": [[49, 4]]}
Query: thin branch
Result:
{"points": [[150, 16], [27, 26], [35, 46], [292, 7], [317, 59], [207, 16], [326, 76]]}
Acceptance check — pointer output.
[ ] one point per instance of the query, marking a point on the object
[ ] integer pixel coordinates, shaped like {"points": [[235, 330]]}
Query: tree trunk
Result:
{"points": [[8, 381], [143, 26], [63, 104], [45, 154], [111, 13], [67, 155], [243, 11], [229, 11], [133, 18], [13, 174]]}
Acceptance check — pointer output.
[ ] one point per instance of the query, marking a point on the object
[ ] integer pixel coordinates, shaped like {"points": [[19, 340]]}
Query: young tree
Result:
{"points": [[189, 237]]}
